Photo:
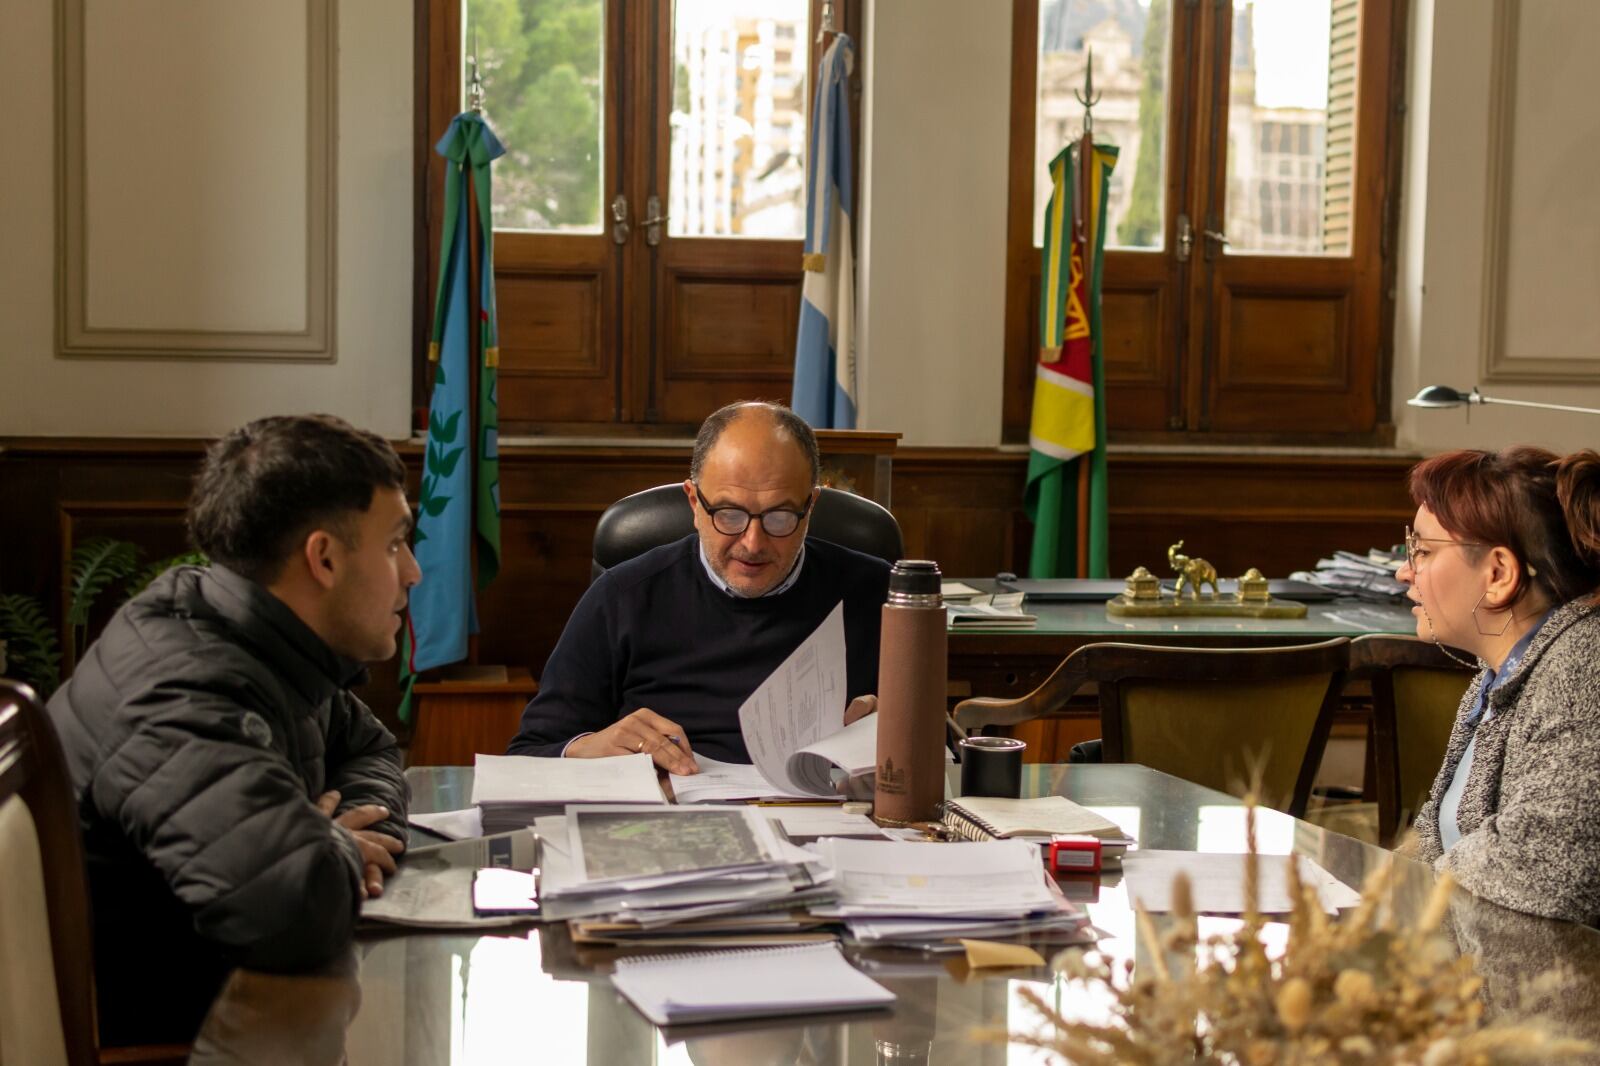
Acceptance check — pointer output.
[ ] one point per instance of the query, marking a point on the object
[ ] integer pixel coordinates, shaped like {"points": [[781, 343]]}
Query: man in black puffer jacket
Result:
{"points": [[237, 801]]}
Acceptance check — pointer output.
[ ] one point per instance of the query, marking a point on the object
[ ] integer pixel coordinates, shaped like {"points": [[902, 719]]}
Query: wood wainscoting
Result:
{"points": [[962, 507], [1278, 510]]}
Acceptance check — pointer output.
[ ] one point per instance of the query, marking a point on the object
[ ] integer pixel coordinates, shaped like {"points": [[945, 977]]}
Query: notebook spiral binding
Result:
{"points": [[738, 953], [964, 824]]}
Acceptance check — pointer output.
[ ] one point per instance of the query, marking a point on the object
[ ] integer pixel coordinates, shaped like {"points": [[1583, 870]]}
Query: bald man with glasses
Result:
{"points": [[664, 648]]}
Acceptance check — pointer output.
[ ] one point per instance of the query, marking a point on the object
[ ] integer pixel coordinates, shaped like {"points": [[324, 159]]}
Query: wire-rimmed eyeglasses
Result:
{"points": [[1417, 555], [732, 521]]}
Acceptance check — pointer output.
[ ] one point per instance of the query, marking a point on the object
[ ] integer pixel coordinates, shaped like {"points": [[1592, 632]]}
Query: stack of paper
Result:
{"points": [[513, 790], [636, 871], [930, 894], [682, 989], [1367, 577], [1001, 611]]}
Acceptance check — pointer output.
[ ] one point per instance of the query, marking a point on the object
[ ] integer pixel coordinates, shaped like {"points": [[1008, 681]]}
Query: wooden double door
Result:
{"points": [[1249, 238], [650, 210]]}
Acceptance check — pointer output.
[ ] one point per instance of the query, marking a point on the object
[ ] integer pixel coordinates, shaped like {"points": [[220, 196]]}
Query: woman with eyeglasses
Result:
{"points": [[1503, 562]]}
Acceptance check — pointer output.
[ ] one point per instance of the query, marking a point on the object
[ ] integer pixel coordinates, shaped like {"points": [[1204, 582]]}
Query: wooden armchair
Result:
{"points": [[1416, 692], [1203, 714], [47, 1000], [46, 969]]}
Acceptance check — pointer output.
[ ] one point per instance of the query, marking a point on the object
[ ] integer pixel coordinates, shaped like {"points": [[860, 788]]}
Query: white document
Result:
{"points": [[519, 779], [793, 724], [719, 781], [820, 821], [1217, 882], [453, 825], [710, 986], [853, 749]]}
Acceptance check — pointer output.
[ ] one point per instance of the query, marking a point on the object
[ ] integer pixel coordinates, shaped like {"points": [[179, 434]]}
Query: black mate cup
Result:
{"points": [[992, 766]]}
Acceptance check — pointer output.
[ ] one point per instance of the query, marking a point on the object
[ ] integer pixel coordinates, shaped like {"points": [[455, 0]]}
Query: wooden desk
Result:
{"points": [[529, 995], [1009, 665]]}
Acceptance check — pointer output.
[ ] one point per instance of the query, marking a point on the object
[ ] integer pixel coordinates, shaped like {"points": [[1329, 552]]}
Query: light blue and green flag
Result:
{"points": [[458, 507]]}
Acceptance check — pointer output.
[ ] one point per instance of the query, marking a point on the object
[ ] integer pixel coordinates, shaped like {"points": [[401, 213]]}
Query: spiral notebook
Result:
{"points": [[713, 986], [993, 817]]}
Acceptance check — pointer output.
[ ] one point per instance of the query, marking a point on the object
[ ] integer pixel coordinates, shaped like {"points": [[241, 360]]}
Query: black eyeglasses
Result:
{"points": [[732, 521]]}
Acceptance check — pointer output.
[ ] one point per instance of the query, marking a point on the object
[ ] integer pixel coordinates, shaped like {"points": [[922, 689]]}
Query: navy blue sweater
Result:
{"points": [[656, 632]]}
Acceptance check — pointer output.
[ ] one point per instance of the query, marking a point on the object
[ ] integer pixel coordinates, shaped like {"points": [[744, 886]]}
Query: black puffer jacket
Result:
{"points": [[200, 729]]}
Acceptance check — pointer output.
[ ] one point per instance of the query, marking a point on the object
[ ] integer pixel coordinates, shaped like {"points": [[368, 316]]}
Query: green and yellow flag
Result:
{"points": [[1066, 490]]}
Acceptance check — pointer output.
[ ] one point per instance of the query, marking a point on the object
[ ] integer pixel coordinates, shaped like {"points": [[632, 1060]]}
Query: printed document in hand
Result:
{"points": [[793, 724], [719, 781]]}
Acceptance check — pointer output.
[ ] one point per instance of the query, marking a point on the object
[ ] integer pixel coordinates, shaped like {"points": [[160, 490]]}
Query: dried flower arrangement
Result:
{"points": [[1353, 990]]}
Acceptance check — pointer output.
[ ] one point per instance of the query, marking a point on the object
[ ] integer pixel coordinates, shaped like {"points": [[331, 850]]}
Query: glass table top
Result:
{"points": [[1339, 618], [531, 995]]}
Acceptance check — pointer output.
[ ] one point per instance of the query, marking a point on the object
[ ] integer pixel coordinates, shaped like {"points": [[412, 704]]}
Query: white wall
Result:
{"points": [[1551, 262], [931, 274], [369, 380]]}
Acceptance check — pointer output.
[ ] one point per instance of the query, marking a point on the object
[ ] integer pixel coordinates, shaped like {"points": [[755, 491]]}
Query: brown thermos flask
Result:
{"points": [[911, 696]]}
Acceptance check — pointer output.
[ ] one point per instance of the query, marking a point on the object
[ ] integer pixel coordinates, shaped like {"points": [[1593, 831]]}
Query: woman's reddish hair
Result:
{"points": [[1541, 507]]}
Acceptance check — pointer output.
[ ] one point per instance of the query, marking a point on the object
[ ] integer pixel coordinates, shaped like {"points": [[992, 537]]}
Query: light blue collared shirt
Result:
{"points": [[1450, 803], [783, 586]]}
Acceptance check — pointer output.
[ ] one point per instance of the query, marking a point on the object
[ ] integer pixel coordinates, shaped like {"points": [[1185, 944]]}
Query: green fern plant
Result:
{"points": [[150, 571], [96, 563], [32, 651], [32, 647]]}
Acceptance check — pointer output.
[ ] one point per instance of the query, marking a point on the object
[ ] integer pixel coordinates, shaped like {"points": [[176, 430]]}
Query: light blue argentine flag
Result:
{"points": [[824, 357]]}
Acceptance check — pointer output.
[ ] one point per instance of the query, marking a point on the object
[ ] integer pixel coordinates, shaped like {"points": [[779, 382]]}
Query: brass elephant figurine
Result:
{"points": [[1196, 572]]}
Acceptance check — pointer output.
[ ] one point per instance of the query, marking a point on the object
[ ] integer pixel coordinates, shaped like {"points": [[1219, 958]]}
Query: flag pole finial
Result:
{"points": [[475, 80], [1088, 98], [828, 25]]}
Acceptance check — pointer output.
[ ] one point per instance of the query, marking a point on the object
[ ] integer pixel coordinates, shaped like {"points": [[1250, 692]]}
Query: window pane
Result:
{"points": [[1291, 126], [739, 93], [542, 62], [1131, 41]]}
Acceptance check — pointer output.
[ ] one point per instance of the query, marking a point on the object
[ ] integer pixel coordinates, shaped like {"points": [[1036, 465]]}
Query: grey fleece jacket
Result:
{"points": [[1530, 808]]}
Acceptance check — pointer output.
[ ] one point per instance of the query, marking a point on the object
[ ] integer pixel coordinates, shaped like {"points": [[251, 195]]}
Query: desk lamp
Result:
{"points": [[1437, 396]]}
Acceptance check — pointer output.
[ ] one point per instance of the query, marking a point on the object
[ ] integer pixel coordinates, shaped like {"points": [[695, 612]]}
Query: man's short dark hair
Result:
{"points": [[264, 487], [786, 420]]}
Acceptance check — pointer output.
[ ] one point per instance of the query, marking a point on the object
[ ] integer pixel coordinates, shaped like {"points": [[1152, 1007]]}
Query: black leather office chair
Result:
{"points": [[637, 523]]}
